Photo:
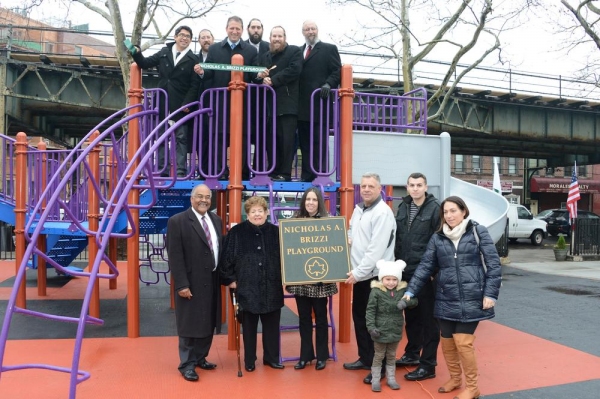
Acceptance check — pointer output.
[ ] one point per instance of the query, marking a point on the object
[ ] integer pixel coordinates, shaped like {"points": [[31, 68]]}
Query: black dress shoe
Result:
{"points": [[278, 178], [369, 377], [250, 367], [274, 365], [190, 375], [321, 364], [300, 365], [204, 365], [357, 365], [420, 374], [407, 361]]}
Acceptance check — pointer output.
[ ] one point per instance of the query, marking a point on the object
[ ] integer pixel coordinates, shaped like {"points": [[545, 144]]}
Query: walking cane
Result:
{"points": [[236, 329]]}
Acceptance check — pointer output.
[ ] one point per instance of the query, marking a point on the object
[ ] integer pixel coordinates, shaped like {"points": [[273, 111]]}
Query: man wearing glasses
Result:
{"points": [[193, 243], [175, 63]]}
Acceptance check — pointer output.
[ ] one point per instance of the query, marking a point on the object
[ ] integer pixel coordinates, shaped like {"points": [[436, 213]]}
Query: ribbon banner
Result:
{"points": [[229, 67]]}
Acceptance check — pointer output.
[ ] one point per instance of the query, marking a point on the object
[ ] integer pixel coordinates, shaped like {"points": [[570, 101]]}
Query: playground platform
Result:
{"points": [[542, 344]]}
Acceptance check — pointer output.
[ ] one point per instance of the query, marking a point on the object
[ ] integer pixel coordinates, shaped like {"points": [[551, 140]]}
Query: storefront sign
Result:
{"points": [[314, 250], [507, 186], [557, 185]]}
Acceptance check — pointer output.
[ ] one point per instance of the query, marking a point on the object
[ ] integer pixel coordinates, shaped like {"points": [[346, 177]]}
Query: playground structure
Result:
{"points": [[110, 185]]}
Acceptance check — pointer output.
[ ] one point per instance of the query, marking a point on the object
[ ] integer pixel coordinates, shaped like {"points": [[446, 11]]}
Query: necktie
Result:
{"points": [[177, 55], [307, 52], [232, 46], [207, 233]]}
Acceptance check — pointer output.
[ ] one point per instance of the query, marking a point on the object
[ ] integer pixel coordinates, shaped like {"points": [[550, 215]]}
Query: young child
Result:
{"points": [[385, 319]]}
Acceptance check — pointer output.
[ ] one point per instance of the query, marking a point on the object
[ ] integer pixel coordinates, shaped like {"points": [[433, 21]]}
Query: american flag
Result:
{"points": [[573, 195]]}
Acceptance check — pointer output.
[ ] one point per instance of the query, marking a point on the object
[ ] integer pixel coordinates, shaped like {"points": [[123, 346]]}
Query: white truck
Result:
{"points": [[522, 224]]}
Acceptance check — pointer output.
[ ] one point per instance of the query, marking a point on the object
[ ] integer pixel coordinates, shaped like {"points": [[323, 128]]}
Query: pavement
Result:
{"points": [[558, 302]]}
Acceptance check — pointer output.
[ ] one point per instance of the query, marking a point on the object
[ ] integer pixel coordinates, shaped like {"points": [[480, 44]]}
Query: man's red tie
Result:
{"points": [[307, 52]]}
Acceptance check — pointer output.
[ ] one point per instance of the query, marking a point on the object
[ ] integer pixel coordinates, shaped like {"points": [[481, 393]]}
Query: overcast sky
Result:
{"points": [[530, 48]]}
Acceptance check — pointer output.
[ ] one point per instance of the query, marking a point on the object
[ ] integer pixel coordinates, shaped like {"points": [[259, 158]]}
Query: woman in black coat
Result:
{"points": [[251, 265], [466, 288], [312, 297]]}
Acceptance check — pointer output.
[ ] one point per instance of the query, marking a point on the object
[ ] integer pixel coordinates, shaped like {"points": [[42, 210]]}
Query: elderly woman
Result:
{"points": [[250, 265], [462, 257], [312, 297]]}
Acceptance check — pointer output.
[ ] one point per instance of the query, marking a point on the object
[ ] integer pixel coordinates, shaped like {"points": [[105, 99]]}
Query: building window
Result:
{"points": [[459, 163], [581, 171], [476, 163], [77, 50], [512, 166]]}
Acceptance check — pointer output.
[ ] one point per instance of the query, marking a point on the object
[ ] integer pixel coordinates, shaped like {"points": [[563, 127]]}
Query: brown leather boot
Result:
{"points": [[466, 352], [453, 363]]}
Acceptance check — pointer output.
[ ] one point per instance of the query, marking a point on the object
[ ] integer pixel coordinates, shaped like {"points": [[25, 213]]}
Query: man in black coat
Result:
{"points": [[205, 40], [221, 53], [175, 63], [321, 70], [255, 34], [418, 218], [286, 63], [193, 243]]}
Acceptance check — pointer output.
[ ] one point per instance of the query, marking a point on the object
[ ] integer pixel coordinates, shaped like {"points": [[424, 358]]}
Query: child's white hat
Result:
{"points": [[388, 268]]}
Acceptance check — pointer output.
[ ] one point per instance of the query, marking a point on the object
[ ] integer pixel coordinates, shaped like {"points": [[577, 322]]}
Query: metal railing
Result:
{"points": [[585, 239]]}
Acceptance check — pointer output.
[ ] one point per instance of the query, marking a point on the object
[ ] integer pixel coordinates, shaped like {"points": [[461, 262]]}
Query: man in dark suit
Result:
{"points": [[255, 34], [258, 115], [286, 63], [321, 70], [175, 63], [193, 242], [221, 53], [205, 40]]}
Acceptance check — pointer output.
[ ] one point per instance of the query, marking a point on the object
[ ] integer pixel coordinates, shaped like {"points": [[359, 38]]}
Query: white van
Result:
{"points": [[522, 224]]}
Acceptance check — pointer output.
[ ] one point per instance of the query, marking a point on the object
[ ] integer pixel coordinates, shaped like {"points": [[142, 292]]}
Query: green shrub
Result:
{"points": [[561, 243]]}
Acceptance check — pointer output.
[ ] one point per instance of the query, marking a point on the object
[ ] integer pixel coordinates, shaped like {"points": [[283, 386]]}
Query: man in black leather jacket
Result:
{"points": [[418, 217]]}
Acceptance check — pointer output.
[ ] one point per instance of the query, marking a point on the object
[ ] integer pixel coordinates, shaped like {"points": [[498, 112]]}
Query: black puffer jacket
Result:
{"points": [[411, 242], [461, 282], [250, 256]]}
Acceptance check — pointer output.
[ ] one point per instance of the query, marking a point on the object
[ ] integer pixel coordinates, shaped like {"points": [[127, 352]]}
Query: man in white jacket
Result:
{"points": [[372, 237]]}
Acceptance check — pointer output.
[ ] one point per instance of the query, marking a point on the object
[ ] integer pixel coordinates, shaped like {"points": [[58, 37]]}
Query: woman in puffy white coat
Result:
{"points": [[465, 291]]}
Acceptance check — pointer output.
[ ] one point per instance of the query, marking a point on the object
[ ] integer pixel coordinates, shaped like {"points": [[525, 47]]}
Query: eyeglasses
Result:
{"points": [[184, 36], [201, 197]]}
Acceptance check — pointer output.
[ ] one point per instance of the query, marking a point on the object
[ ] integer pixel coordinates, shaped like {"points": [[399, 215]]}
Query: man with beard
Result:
{"points": [[221, 53], [205, 40], [284, 65], [321, 70], [255, 34]]}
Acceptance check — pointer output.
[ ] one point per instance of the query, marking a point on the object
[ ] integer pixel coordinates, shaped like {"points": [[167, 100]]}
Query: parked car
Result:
{"points": [[558, 220], [521, 224]]}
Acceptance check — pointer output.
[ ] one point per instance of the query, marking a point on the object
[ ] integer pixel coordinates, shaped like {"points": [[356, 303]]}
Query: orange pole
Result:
{"points": [[41, 244], [133, 198], [222, 212], [113, 242], [20, 204], [93, 214], [236, 91], [172, 292], [346, 189]]}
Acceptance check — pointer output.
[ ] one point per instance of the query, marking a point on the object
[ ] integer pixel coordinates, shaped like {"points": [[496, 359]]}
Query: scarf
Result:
{"points": [[456, 233]]}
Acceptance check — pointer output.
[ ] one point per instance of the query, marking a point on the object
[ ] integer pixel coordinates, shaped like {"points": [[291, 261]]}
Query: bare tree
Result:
{"points": [[157, 18], [585, 31], [451, 31]]}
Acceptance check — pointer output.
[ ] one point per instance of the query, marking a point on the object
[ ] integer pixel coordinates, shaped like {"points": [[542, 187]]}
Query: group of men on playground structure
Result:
{"points": [[293, 72], [430, 262]]}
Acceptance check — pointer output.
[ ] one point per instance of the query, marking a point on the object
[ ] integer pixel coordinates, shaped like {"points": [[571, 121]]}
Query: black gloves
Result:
{"points": [[325, 89], [402, 304], [375, 333]]}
